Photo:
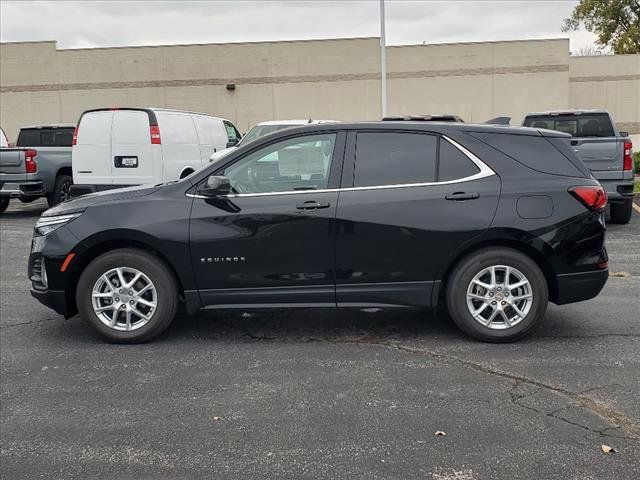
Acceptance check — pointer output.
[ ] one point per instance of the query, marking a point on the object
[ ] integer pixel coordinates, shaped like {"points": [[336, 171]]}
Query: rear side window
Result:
{"points": [[583, 125], [95, 128], [177, 129], [391, 158], [453, 164], [45, 137], [533, 151]]}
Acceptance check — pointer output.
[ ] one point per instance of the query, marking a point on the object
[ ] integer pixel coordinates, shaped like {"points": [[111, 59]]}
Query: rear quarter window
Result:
{"points": [[535, 152]]}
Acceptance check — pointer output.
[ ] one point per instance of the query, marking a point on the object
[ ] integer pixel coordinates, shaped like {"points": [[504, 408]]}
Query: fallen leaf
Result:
{"points": [[607, 449], [620, 274], [440, 433]]}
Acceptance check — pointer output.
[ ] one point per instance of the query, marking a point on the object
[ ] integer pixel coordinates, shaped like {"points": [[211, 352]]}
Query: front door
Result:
{"points": [[270, 242]]}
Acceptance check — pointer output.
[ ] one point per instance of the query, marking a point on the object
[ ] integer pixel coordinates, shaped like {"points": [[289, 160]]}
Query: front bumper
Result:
{"points": [[577, 287], [24, 189], [54, 299]]}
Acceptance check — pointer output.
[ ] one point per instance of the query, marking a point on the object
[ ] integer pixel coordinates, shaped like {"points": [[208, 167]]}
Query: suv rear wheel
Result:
{"points": [[128, 295], [621, 212], [4, 203], [497, 295]]}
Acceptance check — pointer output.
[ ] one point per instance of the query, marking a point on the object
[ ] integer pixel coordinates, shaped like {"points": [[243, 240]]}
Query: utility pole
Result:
{"points": [[383, 61]]}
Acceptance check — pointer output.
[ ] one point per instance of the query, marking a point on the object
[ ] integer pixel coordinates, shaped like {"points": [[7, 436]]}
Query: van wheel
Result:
{"points": [[186, 173], [128, 295], [497, 295], [4, 203], [621, 212], [61, 190]]}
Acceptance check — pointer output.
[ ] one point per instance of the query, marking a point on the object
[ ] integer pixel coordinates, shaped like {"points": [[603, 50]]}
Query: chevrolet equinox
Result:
{"points": [[488, 222]]}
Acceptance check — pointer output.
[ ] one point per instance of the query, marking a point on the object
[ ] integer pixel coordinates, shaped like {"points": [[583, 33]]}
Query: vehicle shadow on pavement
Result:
{"points": [[308, 325]]}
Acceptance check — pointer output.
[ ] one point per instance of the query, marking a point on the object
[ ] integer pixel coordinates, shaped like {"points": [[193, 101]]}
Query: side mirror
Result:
{"points": [[215, 186]]}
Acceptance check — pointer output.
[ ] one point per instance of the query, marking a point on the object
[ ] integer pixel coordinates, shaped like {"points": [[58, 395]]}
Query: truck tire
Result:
{"points": [[621, 212], [60, 190], [4, 203]]}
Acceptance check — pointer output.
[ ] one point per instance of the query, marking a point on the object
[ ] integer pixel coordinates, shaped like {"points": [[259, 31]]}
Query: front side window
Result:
{"points": [[300, 163], [391, 158], [232, 133]]}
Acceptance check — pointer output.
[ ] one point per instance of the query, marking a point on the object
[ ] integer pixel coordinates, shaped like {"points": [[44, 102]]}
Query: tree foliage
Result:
{"points": [[615, 22]]}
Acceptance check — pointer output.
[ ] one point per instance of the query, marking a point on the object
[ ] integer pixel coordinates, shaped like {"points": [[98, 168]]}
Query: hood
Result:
{"points": [[81, 203]]}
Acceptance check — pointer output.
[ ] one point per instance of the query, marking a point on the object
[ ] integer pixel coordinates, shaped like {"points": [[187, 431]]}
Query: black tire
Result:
{"points": [[159, 274], [60, 191], [28, 199], [621, 212], [4, 203], [186, 173], [464, 272]]}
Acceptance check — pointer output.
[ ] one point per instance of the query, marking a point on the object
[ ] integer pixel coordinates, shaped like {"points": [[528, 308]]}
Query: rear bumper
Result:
{"points": [[618, 190], [577, 287], [84, 189], [23, 189]]}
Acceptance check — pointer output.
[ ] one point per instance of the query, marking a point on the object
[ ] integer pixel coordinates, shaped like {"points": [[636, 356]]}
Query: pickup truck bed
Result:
{"points": [[15, 182]]}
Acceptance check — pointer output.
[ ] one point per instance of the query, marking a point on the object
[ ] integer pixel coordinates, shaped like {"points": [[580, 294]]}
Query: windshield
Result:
{"points": [[261, 130]]}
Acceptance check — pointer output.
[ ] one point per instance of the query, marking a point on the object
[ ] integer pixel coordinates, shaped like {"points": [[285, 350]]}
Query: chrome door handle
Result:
{"points": [[460, 196], [312, 205]]}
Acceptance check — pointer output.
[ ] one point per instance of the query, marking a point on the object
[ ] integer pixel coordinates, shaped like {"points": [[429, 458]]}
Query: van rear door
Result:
{"points": [[91, 156], [131, 150]]}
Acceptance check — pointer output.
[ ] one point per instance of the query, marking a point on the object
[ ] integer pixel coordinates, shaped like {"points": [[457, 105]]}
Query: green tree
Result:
{"points": [[615, 22]]}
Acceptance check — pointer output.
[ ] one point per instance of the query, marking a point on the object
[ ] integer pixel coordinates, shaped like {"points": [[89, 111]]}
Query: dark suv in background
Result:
{"points": [[490, 222]]}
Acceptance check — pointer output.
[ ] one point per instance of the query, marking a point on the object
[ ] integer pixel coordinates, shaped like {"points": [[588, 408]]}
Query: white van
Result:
{"points": [[131, 146]]}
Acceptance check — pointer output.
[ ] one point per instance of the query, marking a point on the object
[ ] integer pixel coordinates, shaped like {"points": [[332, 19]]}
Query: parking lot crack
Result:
{"points": [[630, 426]]}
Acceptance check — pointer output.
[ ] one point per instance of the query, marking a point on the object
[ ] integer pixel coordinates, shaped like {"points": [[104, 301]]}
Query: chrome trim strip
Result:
{"points": [[485, 171]]}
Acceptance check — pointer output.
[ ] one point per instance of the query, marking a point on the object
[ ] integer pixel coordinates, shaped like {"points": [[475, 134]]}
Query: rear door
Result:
{"points": [[91, 156], [132, 161], [410, 200]]}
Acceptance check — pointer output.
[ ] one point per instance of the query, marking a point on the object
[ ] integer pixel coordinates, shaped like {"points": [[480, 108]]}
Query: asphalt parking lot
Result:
{"points": [[320, 394]]}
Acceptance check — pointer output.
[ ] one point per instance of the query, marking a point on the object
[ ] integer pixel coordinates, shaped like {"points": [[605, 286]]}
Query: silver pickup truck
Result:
{"points": [[604, 150], [39, 165]]}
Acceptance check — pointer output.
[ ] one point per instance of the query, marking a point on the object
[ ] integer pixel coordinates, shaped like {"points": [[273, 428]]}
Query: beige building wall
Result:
{"points": [[479, 81], [328, 79], [611, 82]]}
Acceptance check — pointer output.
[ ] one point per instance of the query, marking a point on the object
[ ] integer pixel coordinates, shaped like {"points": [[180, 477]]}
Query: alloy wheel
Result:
{"points": [[124, 299], [499, 297]]}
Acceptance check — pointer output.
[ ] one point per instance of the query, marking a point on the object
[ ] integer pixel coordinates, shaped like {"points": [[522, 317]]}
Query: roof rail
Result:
{"points": [[424, 118]]}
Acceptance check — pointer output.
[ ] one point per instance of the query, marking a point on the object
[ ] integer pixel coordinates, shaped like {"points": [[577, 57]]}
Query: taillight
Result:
{"points": [[627, 159], [30, 161], [75, 137], [593, 197], [155, 134]]}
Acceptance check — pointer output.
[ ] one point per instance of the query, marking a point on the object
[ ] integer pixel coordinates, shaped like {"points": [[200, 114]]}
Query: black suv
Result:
{"points": [[492, 222]]}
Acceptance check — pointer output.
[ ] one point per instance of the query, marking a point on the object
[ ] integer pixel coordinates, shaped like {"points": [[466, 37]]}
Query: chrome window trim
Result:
{"points": [[485, 171]]}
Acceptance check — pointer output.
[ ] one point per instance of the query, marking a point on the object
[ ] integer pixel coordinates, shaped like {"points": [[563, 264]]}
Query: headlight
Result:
{"points": [[46, 225]]}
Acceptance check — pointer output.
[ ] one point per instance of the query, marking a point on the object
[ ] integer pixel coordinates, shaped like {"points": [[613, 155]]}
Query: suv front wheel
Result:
{"points": [[497, 295], [128, 295]]}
